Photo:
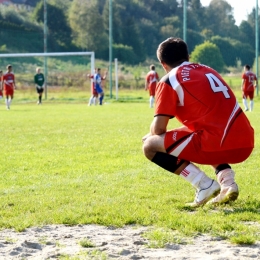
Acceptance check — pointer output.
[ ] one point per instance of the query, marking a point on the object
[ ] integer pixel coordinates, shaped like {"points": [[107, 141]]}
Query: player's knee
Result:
{"points": [[149, 149]]}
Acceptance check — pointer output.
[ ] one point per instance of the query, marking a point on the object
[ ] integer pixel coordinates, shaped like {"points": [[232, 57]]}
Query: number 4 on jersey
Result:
{"points": [[216, 85]]}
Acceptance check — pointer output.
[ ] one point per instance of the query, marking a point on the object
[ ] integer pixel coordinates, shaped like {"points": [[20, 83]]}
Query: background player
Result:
{"points": [[97, 79], [94, 94], [1, 87], [8, 81], [39, 81], [150, 83], [213, 131], [249, 84]]}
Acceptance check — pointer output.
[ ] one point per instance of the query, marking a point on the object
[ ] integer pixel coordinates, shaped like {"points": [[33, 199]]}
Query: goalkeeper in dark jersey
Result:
{"points": [[39, 81]]}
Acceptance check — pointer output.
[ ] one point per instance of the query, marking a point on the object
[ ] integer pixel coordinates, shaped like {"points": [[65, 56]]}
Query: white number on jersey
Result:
{"points": [[216, 85], [251, 79]]}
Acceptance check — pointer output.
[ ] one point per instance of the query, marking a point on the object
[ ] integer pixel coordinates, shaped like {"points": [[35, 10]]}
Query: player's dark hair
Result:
{"points": [[247, 67], [152, 67], [173, 51], [9, 66]]}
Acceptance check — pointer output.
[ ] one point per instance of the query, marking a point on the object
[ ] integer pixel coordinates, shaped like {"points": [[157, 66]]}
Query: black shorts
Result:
{"points": [[39, 90]]}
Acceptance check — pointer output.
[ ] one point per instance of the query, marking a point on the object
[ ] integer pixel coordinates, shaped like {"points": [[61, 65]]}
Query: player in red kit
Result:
{"points": [[94, 97], [8, 80], [1, 88], [150, 83], [94, 94], [213, 128], [249, 83]]}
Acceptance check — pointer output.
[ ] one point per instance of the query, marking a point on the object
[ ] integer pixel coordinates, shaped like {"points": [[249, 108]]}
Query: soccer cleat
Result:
{"points": [[246, 109], [229, 189], [204, 195]]}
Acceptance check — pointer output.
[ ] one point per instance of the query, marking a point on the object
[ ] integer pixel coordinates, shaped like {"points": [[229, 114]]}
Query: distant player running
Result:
{"points": [[39, 81], [150, 83], [8, 81], [249, 84]]}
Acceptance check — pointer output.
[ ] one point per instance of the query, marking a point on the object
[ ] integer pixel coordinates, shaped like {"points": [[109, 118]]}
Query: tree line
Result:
{"points": [[138, 28]]}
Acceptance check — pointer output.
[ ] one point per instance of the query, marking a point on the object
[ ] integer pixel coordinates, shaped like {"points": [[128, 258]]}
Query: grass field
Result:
{"points": [[67, 163]]}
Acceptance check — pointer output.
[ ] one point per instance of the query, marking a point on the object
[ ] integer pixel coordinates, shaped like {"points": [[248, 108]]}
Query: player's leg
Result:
{"points": [[91, 100], [10, 99], [251, 104], [163, 151], [100, 93], [40, 97], [101, 97], [6, 96], [151, 101], [245, 101], [229, 188], [6, 101], [152, 94], [39, 91], [95, 99]]}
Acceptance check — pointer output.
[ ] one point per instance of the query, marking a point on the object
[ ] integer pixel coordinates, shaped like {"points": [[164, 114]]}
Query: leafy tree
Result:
{"points": [[245, 53], [209, 54], [132, 38], [58, 28], [165, 8], [116, 20], [124, 53], [247, 33], [87, 26], [196, 14], [220, 19], [227, 49]]}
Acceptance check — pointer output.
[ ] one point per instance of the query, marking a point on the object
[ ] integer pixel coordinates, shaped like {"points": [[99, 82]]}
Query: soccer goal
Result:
{"points": [[65, 62]]}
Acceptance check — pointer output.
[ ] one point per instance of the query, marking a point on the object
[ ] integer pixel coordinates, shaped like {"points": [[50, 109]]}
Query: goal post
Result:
{"points": [[52, 54]]}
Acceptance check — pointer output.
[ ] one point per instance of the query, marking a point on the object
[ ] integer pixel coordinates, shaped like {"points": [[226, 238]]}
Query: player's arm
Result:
{"points": [[243, 81], [157, 77], [158, 126], [146, 84], [105, 76], [14, 84], [90, 76]]}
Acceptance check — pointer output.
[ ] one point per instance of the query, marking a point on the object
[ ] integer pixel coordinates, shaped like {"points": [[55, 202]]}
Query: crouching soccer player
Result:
{"points": [[213, 131]]}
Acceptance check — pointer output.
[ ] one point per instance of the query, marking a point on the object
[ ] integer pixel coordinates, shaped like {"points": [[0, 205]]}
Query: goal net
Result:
{"points": [[62, 70]]}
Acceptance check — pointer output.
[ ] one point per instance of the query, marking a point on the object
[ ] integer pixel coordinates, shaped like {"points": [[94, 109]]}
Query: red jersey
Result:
{"points": [[249, 79], [202, 101], [8, 79], [151, 79]]}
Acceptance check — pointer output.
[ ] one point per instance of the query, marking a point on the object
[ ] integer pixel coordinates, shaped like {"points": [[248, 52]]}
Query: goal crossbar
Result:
{"points": [[52, 54]]}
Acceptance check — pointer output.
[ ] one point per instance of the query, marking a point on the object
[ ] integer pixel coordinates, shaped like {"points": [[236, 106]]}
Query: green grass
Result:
{"points": [[67, 163]]}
